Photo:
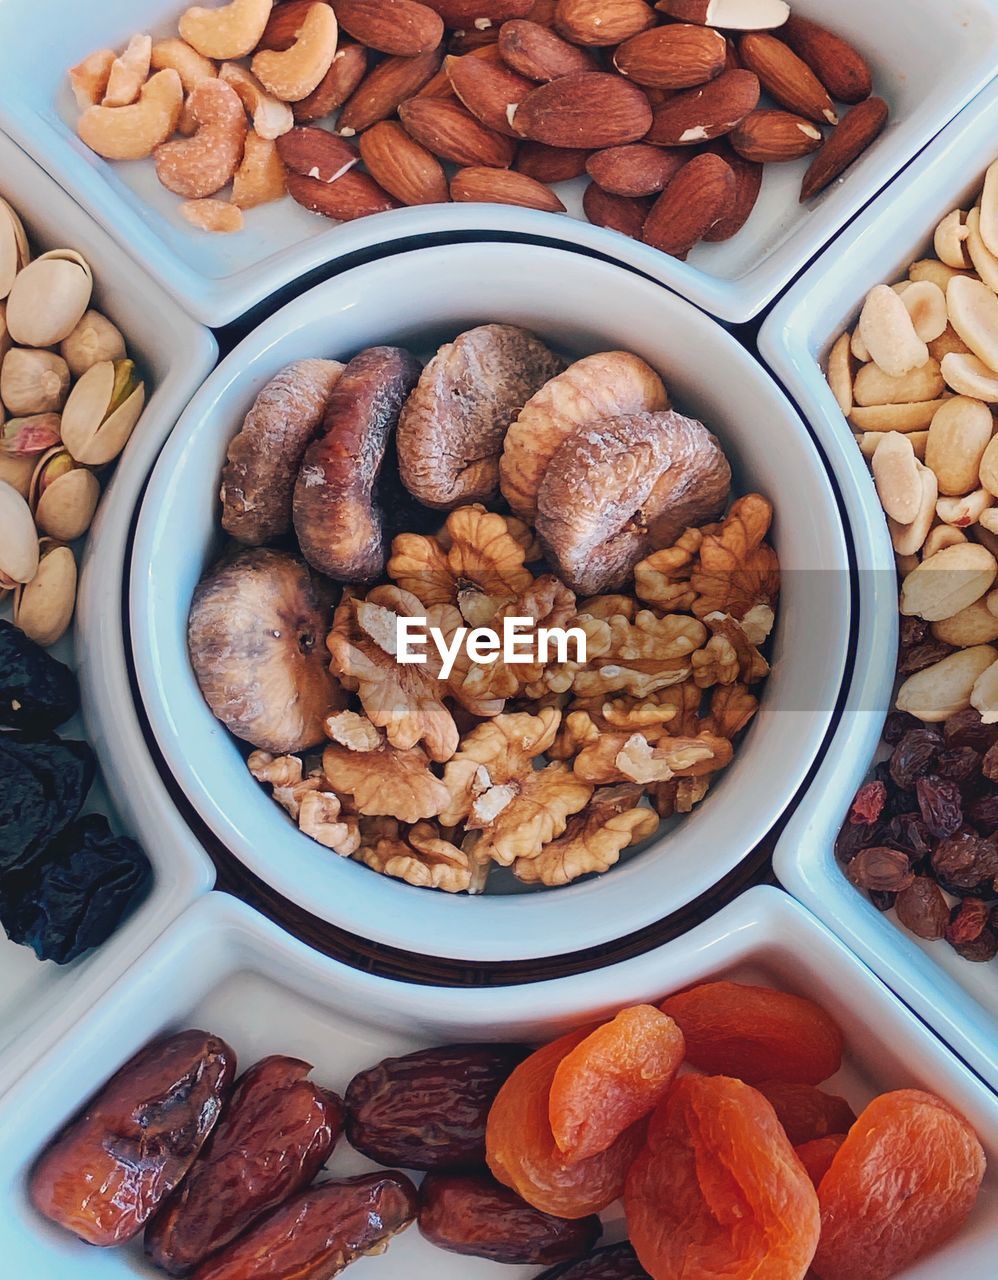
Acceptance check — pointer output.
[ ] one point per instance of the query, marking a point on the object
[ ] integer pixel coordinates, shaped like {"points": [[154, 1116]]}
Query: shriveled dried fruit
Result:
{"points": [[882, 869], [922, 908], [807, 1113], [817, 1155], [615, 1262]]}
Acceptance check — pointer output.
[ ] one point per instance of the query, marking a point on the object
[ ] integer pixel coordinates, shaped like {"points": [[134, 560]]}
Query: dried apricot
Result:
{"points": [[904, 1180], [522, 1153], [817, 1155], [613, 1078], [807, 1113], [718, 1190], [756, 1033]]}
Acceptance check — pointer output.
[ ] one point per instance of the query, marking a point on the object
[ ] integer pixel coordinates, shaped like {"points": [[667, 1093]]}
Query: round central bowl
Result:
{"points": [[578, 305]]}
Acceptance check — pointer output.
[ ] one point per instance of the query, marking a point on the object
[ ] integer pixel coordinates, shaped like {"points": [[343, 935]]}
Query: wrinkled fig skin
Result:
{"points": [[317, 1234], [615, 1262], [429, 1109], [451, 432], [475, 1216], [256, 636], [277, 1132], [337, 514], [111, 1169], [258, 481]]}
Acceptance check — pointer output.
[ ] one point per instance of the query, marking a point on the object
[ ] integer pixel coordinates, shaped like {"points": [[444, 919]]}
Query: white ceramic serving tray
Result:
{"points": [[958, 998], [38, 1002], [580, 305], [225, 969], [928, 60]]}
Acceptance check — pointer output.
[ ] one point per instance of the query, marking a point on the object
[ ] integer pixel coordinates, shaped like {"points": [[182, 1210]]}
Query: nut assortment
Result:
{"points": [[517, 1153], [498, 486], [69, 400], [918, 380], [670, 111]]}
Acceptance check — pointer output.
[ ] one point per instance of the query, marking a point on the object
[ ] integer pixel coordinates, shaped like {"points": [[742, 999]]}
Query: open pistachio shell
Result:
{"points": [[49, 297], [33, 381], [14, 251], [94, 339], [101, 412], [43, 607], [29, 437], [66, 506], [17, 472], [19, 544]]}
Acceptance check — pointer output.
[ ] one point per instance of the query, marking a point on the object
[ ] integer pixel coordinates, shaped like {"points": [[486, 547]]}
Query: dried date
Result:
{"points": [[940, 804], [615, 1262], [880, 868], [474, 1215], [923, 909]]}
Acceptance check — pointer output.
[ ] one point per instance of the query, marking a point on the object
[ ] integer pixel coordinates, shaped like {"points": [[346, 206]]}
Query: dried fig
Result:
{"points": [[451, 431], [255, 635], [264, 457], [337, 513], [613, 491]]}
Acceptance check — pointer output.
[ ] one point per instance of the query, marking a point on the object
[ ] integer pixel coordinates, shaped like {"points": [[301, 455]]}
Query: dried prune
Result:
{"points": [[275, 1135], [756, 1033], [967, 922], [897, 725], [43, 785], [923, 909], [613, 1078], [914, 755], [81, 888], [982, 812], [474, 1215], [717, 1190], [854, 837], [940, 804], [37, 693], [965, 861], [316, 1234], [868, 803], [806, 1112], [904, 1180], [961, 765], [887, 870], [817, 1155], [615, 1262], [428, 1110], [109, 1171], [967, 729], [907, 831], [523, 1154]]}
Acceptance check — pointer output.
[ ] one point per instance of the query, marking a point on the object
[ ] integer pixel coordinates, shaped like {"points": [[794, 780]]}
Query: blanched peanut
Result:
{"points": [[949, 340], [970, 376], [940, 691], [984, 260], [988, 218], [292, 74], [964, 511], [858, 347], [895, 473], [942, 536], [975, 625], [133, 132], [973, 313], [989, 467], [926, 304], [958, 438], [896, 417], [909, 538], [840, 374], [203, 164], [948, 582], [984, 695], [950, 240], [873, 386], [230, 32], [989, 520], [887, 330], [929, 269], [191, 66], [869, 440]]}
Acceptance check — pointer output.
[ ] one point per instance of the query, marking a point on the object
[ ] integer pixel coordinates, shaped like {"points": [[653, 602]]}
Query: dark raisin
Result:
{"points": [[908, 831], [961, 765], [967, 921], [914, 756], [982, 949], [854, 837], [881, 868], [923, 909], [897, 725], [983, 813], [964, 861], [966, 729], [882, 900], [989, 765], [940, 804], [868, 804], [913, 631], [920, 656], [898, 800]]}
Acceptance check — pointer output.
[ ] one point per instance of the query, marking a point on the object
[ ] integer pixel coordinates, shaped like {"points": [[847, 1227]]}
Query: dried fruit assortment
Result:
{"points": [[498, 484], [918, 380], [669, 110], [69, 400], [719, 1175]]}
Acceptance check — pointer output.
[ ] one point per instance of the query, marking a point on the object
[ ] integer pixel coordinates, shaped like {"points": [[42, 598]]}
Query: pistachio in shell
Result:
{"points": [[43, 607], [101, 412], [94, 339], [19, 544], [29, 437], [17, 471], [33, 382], [64, 498], [49, 297], [14, 251]]}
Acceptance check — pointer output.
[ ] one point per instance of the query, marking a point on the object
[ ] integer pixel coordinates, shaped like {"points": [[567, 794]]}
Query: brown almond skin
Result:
{"points": [[748, 184], [590, 109], [638, 169], [355, 195], [318, 1233], [348, 69], [479, 185], [403, 28], [404, 168], [316, 153], [702, 192], [488, 89], [451, 132], [106, 1174], [673, 57], [284, 25], [699, 115], [461, 14], [839, 66], [600, 23], [470, 41], [381, 91], [858, 129], [771, 136], [475, 1216], [786, 77], [625, 214], [551, 164], [539, 53]]}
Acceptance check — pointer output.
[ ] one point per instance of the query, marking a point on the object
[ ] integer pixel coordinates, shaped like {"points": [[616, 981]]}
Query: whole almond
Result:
{"points": [[439, 85], [539, 53], [786, 77], [478, 185], [404, 168], [355, 195], [839, 66], [702, 192], [404, 28], [465, 13], [729, 15], [551, 164], [675, 57], [542, 12], [462, 42], [490, 91], [697, 115], [452, 133], [602, 22], [748, 184], [863, 124], [771, 136], [284, 25], [348, 68], [637, 169], [382, 90], [586, 109], [316, 153], [625, 214]]}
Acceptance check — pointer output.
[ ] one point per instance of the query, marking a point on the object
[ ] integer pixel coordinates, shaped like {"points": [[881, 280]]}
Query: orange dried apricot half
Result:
{"points": [[805, 1112], [817, 1155]]}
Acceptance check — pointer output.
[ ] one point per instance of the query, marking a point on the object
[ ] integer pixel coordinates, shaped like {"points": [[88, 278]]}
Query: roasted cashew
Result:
{"points": [[230, 32], [271, 117], [201, 165], [133, 132], [191, 66], [295, 73], [129, 72], [89, 78]]}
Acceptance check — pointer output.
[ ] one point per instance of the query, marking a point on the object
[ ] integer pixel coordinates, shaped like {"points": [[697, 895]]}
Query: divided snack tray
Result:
{"points": [[578, 305], [958, 998], [39, 1002], [928, 60]]}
